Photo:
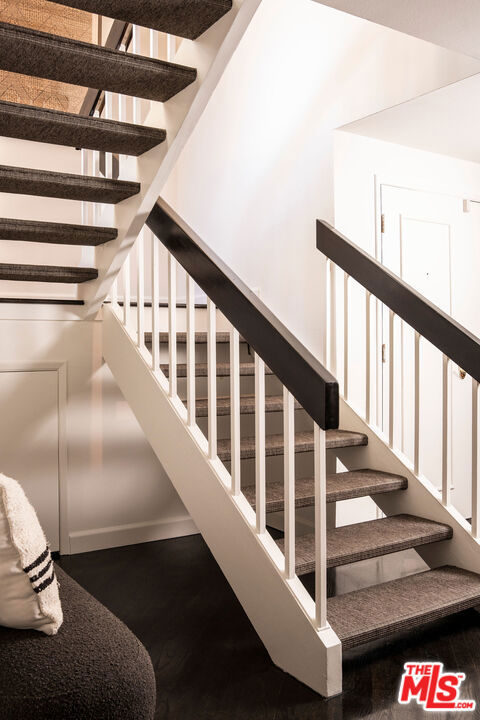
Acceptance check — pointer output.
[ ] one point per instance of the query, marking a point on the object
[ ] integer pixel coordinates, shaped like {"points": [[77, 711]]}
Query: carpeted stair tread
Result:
{"points": [[25, 122], [400, 605], [341, 486], [78, 63], [273, 403], [223, 369], [185, 18], [59, 233], [303, 443], [45, 183], [46, 273], [361, 541]]}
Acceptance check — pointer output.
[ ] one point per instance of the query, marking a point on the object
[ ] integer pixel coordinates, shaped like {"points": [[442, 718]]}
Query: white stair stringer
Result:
{"points": [[420, 498], [252, 563], [210, 55]]}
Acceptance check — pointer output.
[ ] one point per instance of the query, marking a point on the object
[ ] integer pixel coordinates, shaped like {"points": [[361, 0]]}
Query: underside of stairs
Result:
{"points": [[106, 69]]}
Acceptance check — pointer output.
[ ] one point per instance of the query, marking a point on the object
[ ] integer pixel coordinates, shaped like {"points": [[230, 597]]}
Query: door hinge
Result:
{"points": [[384, 353], [382, 223]]}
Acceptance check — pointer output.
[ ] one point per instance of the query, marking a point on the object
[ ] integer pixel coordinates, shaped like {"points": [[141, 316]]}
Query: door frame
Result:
{"points": [[60, 368]]}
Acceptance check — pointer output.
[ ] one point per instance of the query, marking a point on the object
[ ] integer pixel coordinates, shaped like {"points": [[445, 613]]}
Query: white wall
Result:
{"points": [[117, 491], [23, 153], [258, 169]]}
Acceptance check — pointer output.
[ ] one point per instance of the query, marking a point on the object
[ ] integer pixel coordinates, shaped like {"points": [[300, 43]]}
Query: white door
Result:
{"points": [[429, 241], [29, 441]]}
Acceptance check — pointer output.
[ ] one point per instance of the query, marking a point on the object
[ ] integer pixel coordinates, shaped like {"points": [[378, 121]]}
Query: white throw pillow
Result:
{"points": [[28, 585]]}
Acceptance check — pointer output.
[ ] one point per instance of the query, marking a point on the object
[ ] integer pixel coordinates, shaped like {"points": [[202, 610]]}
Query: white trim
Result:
{"points": [[130, 534], [60, 368]]}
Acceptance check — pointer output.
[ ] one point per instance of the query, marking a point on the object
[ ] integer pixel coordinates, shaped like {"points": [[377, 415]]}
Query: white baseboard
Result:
{"points": [[130, 534]]}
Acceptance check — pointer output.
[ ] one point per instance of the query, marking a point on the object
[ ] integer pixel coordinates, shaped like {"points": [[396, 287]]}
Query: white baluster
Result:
{"points": [[190, 351], [140, 291], [289, 480], [475, 488], [260, 443], [170, 47], [137, 107], [84, 172], [333, 319], [391, 378], [320, 459], [153, 44], [235, 410], [114, 294], [155, 303], [212, 378], [172, 325], [126, 291], [367, 356], [345, 335], [108, 115], [416, 422], [445, 433]]}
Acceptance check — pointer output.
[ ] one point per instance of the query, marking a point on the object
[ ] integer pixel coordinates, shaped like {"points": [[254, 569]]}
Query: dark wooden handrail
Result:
{"points": [[113, 41], [306, 378], [451, 338]]}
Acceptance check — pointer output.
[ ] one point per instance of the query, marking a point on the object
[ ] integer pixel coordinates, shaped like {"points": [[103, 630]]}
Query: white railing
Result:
{"points": [[163, 310], [391, 375]]}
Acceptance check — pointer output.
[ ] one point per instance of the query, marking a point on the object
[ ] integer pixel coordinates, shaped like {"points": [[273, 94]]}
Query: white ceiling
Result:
{"points": [[445, 121], [453, 24]]}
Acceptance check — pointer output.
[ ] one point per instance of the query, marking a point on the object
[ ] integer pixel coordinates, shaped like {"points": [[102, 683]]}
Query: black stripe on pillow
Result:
{"points": [[45, 583], [43, 571], [38, 561]]}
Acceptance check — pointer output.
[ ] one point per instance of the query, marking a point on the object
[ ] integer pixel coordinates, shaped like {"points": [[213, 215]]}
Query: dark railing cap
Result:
{"points": [[445, 333], [304, 376]]}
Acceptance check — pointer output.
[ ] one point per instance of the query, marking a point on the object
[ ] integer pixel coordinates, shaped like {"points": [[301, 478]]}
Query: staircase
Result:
{"points": [[121, 159], [259, 430], [245, 421]]}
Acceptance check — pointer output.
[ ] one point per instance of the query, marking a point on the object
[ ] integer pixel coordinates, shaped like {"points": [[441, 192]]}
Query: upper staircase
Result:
{"points": [[140, 108]]}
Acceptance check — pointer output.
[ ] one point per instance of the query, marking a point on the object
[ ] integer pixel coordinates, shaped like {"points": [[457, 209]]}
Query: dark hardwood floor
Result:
{"points": [[210, 663]]}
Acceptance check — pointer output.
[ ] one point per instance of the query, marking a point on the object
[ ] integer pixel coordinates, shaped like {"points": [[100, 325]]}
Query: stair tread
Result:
{"points": [[177, 17], [61, 233], [26, 122], [223, 369], [340, 486], [200, 338], [46, 183], [79, 63], [303, 443], [273, 403], [402, 604], [46, 273], [352, 543]]}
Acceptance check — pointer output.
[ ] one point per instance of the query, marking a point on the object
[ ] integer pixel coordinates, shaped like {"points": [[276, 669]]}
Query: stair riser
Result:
{"points": [[223, 353], [247, 386], [274, 467], [273, 423], [66, 61]]}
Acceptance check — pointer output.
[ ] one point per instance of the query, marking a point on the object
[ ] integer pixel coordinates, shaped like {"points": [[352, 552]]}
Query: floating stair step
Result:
{"points": [[177, 17], [341, 486], [382, 610], [223, 369], [59, 233], [40, 54], [24, 181], [47, 273], [361, 541], [200, 338], [303, 443], [25, 122], [273, 403]]}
